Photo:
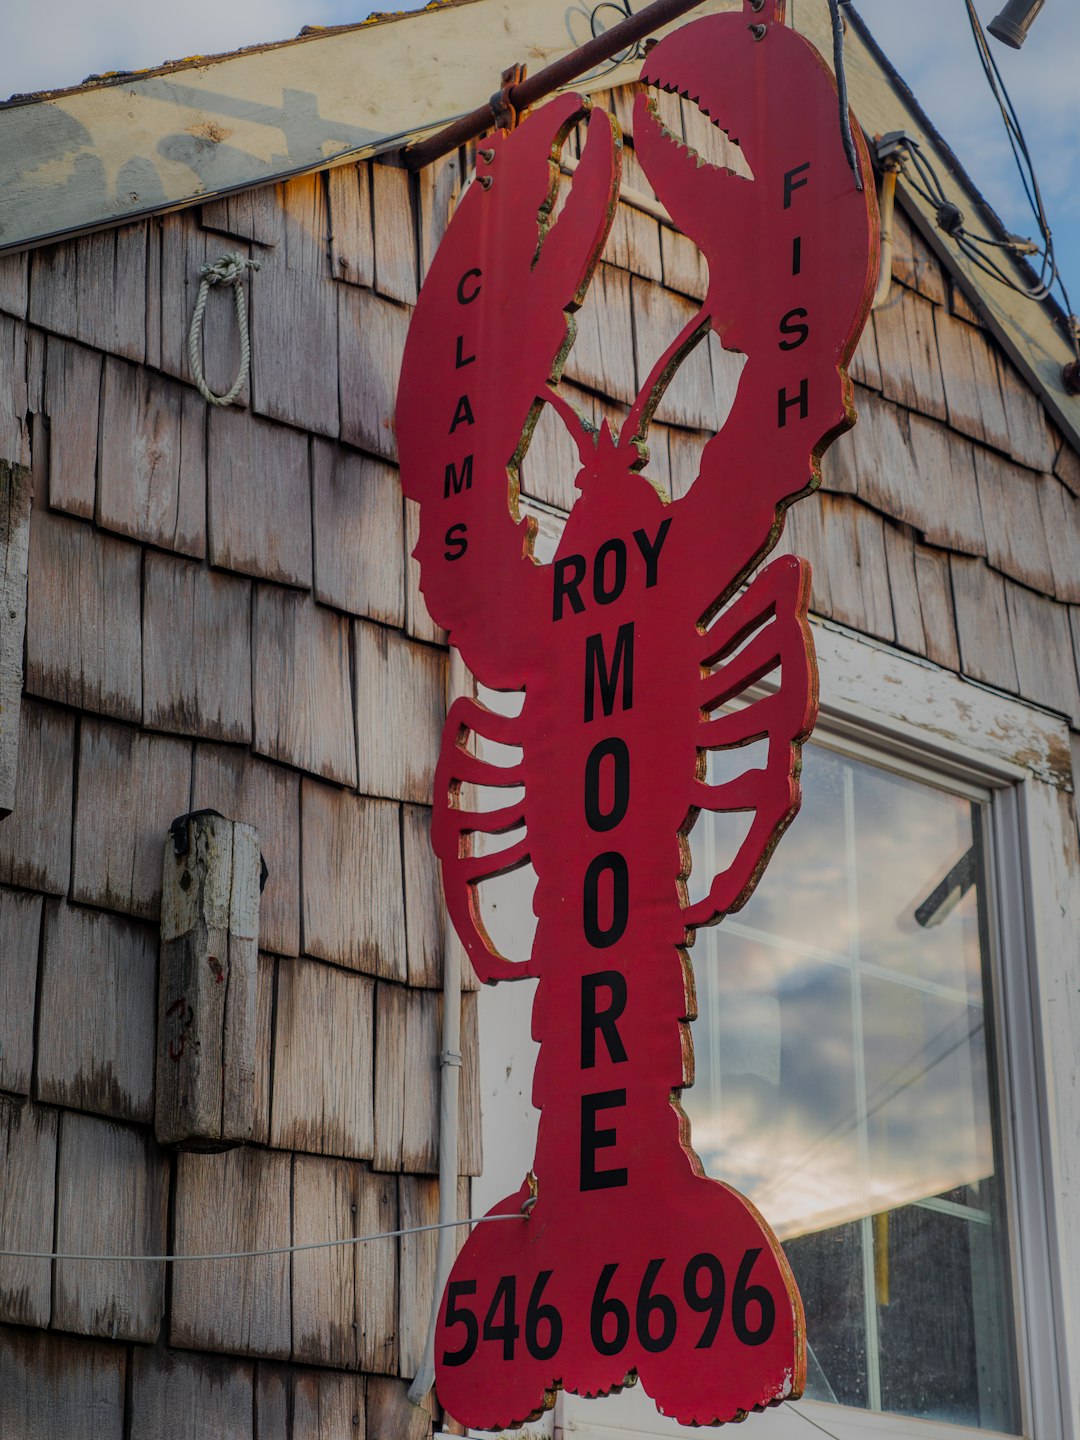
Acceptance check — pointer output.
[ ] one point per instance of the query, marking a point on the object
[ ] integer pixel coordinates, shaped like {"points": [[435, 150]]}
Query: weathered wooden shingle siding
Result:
{"points": [[223, 612]]}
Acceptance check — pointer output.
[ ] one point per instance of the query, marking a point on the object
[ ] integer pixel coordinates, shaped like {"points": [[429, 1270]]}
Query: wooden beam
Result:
{"points": [[207, 985]]}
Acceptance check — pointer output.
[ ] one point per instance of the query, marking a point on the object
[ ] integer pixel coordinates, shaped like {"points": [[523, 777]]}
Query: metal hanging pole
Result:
{"points": [[528, 91]]}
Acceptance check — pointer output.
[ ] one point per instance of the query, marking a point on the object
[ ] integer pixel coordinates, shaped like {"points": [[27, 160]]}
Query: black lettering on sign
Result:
{"points": [[603, 593], [743, 1296], [598, 672], [596, 1021], [651, 1308], [456, 542], [593, 1139], [617, 752], [600, 937], [464, 299], [710, 1303], [650, 550], [507, 1329], [536, 1315], [791, 184], [796, 255], [458, 1314], [607, 1307], [462, 415], [454, 481], [792, 324], [802, 399], [656, 1319], [462, 360], [574, 567]]}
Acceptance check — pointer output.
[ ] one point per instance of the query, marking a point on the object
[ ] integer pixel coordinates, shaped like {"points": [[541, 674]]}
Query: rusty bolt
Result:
{"points": [[1070, 377]]}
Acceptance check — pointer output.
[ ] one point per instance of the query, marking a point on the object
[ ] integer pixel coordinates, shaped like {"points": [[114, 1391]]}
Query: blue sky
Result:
{"points": [[53, 43]]}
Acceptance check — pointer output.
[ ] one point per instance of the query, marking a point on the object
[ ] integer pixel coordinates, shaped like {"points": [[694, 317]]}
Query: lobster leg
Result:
{"points": [[453, 828], [774, 605]]}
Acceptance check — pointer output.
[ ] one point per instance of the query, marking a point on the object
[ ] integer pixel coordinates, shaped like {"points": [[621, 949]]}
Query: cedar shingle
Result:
{"points": [[83, 621], [982, 623], [27, 1204], [196, 650], [52, 1386], [359, 542], [303, 699], [240, 1200], [322, 1073], [131, 788], [395, 233], [175, 1396], [35, 839], [907, 351], [353, 905], [1031, 439], [260, 498], [111, 1199], [1061, 522], [1013, 520], [94, 289], [371, 337], [399, 678], [1042, 644], [98, 1058], [352, 252], [72, 389], [152, 470], [20, 929], [970, 372]]}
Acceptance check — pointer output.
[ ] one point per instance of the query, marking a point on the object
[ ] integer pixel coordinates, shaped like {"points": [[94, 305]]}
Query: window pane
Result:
{"points": [[843, 1085]]}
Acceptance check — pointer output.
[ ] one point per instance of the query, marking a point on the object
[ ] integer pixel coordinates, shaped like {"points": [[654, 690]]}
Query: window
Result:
{"points": [[877, 1061], [846, 1084]]}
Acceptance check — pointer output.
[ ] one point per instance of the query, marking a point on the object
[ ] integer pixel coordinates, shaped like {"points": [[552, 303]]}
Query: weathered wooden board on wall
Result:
{"points": [[28, 1167], [207, 984], [112, 1190], [15, 492], [51, 1385]]}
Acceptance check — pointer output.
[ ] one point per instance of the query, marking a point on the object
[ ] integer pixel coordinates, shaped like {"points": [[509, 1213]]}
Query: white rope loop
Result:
{"points": [[229, 270]]}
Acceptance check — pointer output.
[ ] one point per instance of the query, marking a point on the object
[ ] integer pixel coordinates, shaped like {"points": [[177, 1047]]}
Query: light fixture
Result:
{"points": [[1014, 20]]}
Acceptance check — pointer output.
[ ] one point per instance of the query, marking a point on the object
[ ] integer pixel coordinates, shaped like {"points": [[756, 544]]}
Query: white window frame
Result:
{"points": [[877, 701]]}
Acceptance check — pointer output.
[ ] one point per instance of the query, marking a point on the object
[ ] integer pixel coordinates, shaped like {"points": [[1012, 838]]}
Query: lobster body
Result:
{"points": [[630, 647]]}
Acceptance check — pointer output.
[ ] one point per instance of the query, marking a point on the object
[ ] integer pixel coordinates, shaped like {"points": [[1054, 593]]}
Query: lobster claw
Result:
{"points": [[491, 328]]}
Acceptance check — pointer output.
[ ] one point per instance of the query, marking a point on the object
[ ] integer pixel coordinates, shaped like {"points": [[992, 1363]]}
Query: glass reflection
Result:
{"points": [[843, 1085]]}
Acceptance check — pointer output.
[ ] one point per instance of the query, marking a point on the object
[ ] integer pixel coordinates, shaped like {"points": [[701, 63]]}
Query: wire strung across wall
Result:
{"points": [[261, 1254]]}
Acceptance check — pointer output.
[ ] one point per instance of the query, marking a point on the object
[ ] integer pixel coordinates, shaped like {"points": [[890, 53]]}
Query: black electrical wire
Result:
{"points": [[1049, 275], [842, 92]]}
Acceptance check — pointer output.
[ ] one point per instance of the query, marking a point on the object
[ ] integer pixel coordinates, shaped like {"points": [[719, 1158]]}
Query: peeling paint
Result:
{"points": [[207, 130]]}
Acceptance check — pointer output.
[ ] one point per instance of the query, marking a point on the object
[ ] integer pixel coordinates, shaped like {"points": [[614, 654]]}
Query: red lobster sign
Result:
{"points": [[629, 1260]]}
